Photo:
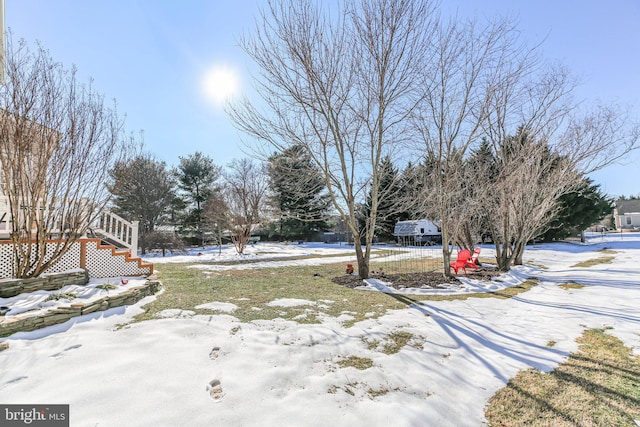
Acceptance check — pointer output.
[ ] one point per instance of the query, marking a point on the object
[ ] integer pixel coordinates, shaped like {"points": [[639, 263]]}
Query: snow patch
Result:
{"points": [[289, 302], [218, 306]]}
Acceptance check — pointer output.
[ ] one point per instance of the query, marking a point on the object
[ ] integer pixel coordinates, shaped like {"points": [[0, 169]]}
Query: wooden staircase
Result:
{"points": [[106, 260]]}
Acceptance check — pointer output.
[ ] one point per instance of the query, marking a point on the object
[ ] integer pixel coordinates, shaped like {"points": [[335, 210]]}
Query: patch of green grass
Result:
{"points": [[351, 387], [551, 343], [373, 393], [505, 293], [395, 341], [567, 286], [252, 289], [595, 261], [392, 343], [596, 386], [360, 363], [371, 344]]}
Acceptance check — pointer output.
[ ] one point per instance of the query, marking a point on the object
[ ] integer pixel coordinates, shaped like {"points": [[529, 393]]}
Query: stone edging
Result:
{"points": [[25, 322], [47, 282]]}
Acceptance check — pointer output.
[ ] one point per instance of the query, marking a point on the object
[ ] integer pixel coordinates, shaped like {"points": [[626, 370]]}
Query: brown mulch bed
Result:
{"points": [[432, 279]]}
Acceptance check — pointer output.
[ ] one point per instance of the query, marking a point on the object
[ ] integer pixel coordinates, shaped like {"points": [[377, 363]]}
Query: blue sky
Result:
{"points": [[153, 57]]}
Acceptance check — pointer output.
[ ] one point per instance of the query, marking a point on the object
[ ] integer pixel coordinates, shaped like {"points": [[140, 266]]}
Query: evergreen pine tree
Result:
{"points": [[391, 205], [579, 210], [143, 190], [297, 195], [196, 176]]}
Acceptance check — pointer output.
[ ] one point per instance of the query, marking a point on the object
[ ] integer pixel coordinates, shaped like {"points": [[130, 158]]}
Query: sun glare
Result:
{"points": [[220, 84]]}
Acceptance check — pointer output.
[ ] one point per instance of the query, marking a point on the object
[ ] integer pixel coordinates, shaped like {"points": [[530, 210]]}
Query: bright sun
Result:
{"points": [[220, 83]]}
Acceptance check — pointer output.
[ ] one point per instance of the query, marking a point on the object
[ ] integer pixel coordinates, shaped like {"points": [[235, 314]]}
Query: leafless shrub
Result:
{"points": [[59, 141]]}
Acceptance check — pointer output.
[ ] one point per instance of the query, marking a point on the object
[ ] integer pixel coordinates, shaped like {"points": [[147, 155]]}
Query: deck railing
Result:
{"points": [[107, 225], [113, 227]]}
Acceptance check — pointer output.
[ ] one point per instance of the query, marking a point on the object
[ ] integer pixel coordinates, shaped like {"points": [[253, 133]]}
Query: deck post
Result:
{"points": [[134, 239]]}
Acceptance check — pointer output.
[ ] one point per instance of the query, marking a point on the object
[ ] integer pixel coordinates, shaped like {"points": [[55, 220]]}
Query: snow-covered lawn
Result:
{"points": [[203, 370]]}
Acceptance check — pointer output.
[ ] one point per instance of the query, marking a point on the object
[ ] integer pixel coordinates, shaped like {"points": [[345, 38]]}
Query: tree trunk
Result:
{"points": [[519, 251], [362, 257], [363, 268]]}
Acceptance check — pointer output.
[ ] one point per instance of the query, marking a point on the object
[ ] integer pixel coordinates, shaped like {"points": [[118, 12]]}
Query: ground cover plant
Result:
{"points": [[568, 286], [56, 296], [595, 261]]}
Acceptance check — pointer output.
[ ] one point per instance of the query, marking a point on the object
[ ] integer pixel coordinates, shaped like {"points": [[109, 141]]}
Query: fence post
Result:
{"points": [[83, 253], [134, 239]]}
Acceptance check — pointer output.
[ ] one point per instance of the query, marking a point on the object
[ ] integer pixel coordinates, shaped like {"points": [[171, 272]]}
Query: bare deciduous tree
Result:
{"points": [[465, 63], [216, 217], [245, 189], [485, 83], [544, 143], [58, 142], [339, 83], [522, 199]]}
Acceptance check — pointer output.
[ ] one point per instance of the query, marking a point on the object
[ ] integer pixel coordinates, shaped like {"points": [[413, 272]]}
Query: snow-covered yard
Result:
{"points": [[203, 370]]}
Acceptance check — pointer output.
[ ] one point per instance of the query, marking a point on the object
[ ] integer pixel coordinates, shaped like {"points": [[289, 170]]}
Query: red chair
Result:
{"points": [[474, 258], [464, 256]]}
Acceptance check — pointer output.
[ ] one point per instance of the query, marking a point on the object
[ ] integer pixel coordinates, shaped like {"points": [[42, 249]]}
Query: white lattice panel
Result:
{"points": [[102, 263], [99, 261], [6, 260], [69, 261]]}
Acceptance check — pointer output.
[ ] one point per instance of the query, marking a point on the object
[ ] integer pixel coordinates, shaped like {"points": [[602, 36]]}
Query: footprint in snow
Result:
{"points": [[16, 380], [215, 390], [215, 352], [13, 381], [60, 354]]}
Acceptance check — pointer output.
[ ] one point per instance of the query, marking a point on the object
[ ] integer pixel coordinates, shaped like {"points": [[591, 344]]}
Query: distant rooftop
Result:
{"points": [[628, 206]]}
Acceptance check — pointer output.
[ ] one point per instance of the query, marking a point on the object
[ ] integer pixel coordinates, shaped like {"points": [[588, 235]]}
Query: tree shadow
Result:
{"points": [[459, 327], [612, 313]]}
